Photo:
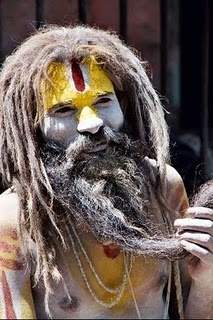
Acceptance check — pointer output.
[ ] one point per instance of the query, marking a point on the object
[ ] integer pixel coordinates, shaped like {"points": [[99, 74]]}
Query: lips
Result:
{"points": [[98, 146]]}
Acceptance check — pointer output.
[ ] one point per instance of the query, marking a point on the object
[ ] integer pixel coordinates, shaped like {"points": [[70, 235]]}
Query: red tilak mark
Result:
{"points": [[111, 250], [77, 76], [10, 312]]}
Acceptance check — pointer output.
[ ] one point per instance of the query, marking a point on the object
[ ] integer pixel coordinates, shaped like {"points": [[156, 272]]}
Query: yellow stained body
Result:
{"points": [[112, 274], [13, 274], [62, 88], [27, 304]]}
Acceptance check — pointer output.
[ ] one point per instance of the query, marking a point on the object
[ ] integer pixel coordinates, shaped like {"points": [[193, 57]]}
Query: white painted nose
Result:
{"points": [[91, 125]]}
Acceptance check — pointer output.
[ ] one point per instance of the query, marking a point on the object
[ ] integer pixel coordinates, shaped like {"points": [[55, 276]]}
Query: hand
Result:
{"points": [[195, 232]]}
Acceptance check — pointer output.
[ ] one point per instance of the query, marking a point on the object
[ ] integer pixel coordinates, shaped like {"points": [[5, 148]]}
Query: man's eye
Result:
{"points": [[63, 110], [103, 100]]}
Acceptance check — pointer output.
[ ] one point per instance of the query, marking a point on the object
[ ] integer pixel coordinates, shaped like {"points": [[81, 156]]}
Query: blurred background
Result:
{"points": [[172, 35]]}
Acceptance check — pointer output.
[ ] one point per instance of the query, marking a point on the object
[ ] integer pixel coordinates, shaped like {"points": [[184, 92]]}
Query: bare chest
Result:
{"points": [[103, 287]]}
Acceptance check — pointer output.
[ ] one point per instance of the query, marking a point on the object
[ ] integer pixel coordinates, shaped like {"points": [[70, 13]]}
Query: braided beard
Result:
{"points": [[109, 192]]}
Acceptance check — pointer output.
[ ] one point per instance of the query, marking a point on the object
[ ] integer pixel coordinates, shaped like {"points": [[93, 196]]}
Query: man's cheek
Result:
{"points": [[112, 117], [60, 131]]}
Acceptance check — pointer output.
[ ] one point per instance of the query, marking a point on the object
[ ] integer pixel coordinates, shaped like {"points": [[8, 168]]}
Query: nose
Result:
{"points": [[89, 120], [91, 125]]}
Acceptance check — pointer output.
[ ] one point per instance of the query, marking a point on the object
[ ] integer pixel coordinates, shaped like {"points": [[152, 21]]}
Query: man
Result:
{"points": [[87, 221]]}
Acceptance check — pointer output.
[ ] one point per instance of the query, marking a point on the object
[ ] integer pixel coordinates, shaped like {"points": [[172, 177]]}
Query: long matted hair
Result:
{"points": [[21, 164]]}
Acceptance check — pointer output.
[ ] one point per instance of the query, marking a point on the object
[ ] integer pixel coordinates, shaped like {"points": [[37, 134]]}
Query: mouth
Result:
{"points": [[98, 146]]}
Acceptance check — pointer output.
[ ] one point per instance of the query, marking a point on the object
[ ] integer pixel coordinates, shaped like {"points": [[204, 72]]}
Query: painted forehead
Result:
{"points": [[77, 83]]}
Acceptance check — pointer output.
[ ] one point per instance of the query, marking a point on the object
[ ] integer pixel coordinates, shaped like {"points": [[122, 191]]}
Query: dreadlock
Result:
{"points": [[21, 164]]}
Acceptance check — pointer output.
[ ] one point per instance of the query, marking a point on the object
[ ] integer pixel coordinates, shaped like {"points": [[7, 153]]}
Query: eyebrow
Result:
{"points": [[61, 104], [104, 94]]}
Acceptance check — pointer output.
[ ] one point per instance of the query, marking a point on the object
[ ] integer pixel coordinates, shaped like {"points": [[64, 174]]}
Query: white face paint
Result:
{"points": [[82, 99]]}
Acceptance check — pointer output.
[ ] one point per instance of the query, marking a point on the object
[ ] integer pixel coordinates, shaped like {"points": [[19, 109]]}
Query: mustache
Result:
{"points": [[85, 147], [88, 142]]}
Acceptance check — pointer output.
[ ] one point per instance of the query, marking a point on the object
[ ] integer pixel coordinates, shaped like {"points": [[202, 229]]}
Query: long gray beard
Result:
{"points": [[110, 192]]}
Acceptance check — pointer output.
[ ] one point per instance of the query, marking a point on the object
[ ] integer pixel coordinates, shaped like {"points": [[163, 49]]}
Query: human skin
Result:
{"points": [[15, 287]]}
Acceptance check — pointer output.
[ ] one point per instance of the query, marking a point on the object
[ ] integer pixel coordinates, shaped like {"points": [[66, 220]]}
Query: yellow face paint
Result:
{"points": [[77, 84]]}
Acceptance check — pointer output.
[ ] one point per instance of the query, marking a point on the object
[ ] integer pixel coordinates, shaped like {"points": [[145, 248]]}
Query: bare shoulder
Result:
{"points": [[172, 176], [15, 271], [9, 206], [10, 239], [174, 191]]}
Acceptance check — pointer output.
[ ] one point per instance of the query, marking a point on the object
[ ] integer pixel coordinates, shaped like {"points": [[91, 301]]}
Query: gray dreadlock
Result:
{"points": [[21, 164]]}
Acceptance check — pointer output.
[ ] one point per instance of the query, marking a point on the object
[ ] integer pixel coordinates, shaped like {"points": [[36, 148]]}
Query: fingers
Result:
{"points": [[194, 224], [200, 252], [199, 212], [203, 239], [196, 232]]}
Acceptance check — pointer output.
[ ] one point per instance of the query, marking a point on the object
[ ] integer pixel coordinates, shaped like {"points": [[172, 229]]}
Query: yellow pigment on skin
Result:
{"points": [[9, 250], [27, 305], [9, 253], [112, 274], [62, 89], [1, 310], [87, 112]]}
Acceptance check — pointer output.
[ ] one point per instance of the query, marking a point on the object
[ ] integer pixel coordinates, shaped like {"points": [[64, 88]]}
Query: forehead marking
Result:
{"points": [[77, 76]]}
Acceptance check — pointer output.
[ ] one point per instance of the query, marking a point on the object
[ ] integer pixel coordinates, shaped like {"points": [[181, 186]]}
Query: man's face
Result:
{"points": [[81, 99], [108, 192]]}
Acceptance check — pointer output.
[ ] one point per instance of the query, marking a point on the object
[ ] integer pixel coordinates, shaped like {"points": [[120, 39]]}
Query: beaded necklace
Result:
{"points": [[117, 292]]}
